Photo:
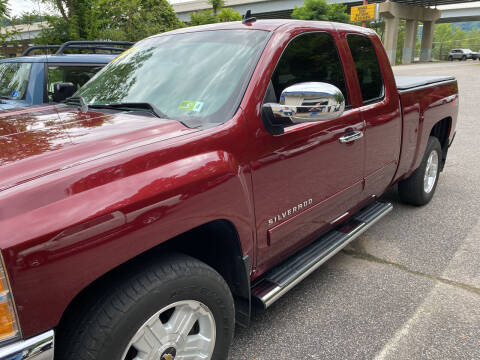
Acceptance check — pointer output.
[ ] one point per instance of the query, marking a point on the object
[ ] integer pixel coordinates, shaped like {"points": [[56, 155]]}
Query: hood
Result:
{"points": [[6, 104], [40, 140]]}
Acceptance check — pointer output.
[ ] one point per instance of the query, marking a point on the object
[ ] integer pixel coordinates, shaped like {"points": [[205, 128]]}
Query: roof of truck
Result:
{"points": [[269, 25]]}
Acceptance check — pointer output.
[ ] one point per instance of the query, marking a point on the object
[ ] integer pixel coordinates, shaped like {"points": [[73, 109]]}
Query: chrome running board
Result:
{"points": [[285, 276]]}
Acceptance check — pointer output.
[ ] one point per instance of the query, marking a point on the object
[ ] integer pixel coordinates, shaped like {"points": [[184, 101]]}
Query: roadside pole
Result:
{"points": [[364, 23]]}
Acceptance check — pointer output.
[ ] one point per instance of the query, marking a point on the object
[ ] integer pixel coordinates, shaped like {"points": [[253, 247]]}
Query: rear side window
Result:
{"points": [[77, 75], [309, 57], [368, 69]]}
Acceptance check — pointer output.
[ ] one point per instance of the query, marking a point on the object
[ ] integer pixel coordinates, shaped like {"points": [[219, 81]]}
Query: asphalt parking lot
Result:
{"points": [[409, 288]]}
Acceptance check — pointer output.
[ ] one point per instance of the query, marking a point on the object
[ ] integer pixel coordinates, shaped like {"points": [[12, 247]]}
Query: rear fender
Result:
{"points": [[421, 110]]}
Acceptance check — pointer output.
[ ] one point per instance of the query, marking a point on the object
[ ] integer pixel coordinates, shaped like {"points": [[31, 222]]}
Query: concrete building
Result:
{"points": [[19, 37]]}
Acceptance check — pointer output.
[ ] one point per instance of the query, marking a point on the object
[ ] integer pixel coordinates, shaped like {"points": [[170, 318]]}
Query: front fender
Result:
{"points": [[89, 230]]}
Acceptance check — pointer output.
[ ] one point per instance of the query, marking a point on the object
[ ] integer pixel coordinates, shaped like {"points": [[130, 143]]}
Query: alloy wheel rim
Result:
{"points": [[184, 330], [430, 172]]}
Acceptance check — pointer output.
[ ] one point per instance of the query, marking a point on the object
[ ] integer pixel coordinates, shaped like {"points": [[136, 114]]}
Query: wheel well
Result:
{"points": [[216, 244], [441, 130]]}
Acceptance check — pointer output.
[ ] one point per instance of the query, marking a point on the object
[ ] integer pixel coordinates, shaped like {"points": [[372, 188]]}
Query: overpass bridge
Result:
{"points": [[412, 11], [459, 15], [282, 9]]}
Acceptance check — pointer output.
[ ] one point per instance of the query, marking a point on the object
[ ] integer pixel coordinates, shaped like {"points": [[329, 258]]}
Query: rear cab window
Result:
{"points": [[367, 67]]}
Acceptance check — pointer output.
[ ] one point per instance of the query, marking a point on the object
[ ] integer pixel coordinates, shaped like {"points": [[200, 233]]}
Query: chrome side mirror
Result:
{"points": [[305, 102]]}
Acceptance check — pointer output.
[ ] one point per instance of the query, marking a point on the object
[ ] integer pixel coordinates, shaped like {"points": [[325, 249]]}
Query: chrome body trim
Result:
{"points": [[39, 347], [351, 136], [337, 219]]}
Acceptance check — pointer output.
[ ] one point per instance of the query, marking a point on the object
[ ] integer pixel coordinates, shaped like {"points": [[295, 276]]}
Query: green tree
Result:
{"points": [[338, 13], [320, 10], [134, 19], [108, 19], [228, 14], [76, 18], [216, 4], [204, 17], [4, 9], [25, 18], [400, 41], [447, 37], [58, 31]]}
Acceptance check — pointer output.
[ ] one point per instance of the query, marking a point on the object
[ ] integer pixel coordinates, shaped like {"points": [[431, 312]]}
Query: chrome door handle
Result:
{"points": [[351, 136]]}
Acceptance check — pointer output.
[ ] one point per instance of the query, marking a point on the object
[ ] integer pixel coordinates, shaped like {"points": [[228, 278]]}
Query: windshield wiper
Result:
{"points": [[78, 100], [132, 106]]}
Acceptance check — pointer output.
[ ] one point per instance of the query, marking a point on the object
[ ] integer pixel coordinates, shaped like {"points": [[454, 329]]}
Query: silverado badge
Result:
{"points": [[289, 212]]}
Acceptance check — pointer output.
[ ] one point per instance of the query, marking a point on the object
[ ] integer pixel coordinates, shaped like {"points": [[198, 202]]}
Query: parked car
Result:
{"points": [[42, 79], [205, 171], [463, 54]]}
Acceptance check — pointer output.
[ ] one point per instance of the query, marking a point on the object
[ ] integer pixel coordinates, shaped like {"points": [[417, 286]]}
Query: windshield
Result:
{"points": [[197, 78], [14, 80]]}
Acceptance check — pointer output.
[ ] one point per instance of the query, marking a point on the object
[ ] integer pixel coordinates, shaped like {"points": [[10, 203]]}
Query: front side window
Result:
{"points": [[197, 78], [368, 69], [308, 57], [14, 80], [77, 75]]}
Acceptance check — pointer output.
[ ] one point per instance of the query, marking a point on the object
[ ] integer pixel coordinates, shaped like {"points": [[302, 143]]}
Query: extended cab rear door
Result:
{"points": [[380, 109]]}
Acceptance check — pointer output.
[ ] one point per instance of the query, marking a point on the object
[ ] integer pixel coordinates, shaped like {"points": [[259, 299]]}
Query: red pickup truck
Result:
{"points": [[204, 171]]}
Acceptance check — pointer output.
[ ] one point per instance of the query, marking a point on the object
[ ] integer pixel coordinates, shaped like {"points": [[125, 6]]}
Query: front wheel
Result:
{"points": [[173, 308], [464, 58], [418, 188]]}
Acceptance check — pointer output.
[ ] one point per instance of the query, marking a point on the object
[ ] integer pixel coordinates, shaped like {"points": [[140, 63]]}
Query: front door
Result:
{"points": [[304, 180]]}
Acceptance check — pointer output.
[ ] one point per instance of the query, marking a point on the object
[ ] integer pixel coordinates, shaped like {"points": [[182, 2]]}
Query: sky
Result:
{"points": [[19, 6]]}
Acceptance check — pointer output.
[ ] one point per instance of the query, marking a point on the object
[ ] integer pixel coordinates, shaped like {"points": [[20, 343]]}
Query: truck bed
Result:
{"points": [[410, 83]]}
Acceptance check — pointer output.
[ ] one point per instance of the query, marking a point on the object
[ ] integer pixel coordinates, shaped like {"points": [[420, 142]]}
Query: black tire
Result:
{"points": [[464, 58], [107, 325], [450, 58], [411, 190]]}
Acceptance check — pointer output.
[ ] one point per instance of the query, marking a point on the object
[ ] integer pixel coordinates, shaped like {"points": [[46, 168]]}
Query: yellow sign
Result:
{"points": [[362, 12]]}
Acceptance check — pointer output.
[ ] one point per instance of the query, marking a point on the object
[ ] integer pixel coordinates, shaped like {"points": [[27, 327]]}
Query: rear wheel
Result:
{"points": [[418, 189], [450, 58], [175, 308]]}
